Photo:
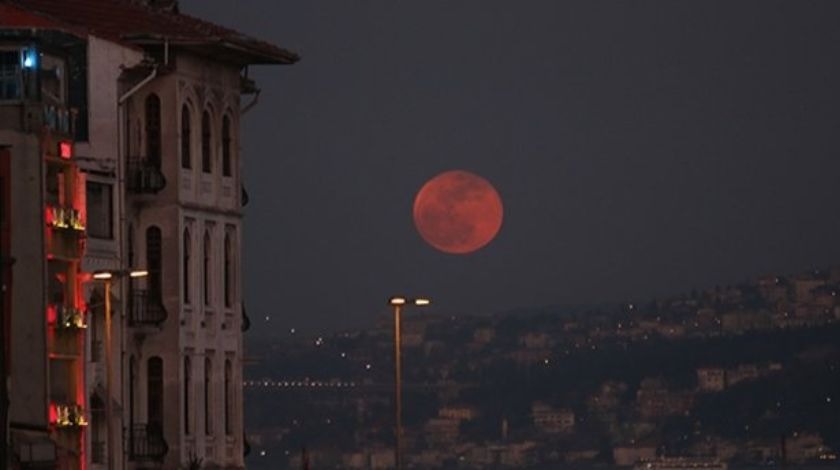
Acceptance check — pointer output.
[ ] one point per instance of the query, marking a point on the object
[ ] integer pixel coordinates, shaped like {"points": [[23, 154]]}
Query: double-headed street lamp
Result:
{"points": [[398, 302], [108, 277]]}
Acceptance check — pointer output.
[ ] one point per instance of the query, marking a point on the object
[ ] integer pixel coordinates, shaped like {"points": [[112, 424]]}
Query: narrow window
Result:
{"points": [[132, 385], [131, 246], [205, 142], [228, 396], [187, 272], [228, 271], [10, 75], [154, 263], [186, 137], [100, 210], [206, 268], [153, 130], [154, 382], [187, 388], [208, 383], [226, 150]]}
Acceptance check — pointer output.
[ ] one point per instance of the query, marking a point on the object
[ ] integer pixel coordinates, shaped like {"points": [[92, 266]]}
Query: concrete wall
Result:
{"points": [[99, 157], [29, 350]]}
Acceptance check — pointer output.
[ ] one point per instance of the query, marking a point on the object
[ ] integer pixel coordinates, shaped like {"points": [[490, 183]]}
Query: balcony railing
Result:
{"points": [[143, 177], [145, 308], [146, 442], [97, 451]]}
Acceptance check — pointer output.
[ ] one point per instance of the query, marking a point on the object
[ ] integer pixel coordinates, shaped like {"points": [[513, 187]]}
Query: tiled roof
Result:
{"points": [[121, 21], [14, 17]]}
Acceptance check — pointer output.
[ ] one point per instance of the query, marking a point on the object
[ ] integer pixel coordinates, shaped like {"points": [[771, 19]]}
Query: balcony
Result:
{"points": [[146, 442], [143, 176], [145, 309], [67, 416]]}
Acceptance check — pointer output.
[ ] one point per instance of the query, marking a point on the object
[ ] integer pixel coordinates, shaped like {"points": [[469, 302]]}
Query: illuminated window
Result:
{"points": [[206, 135], [226, 150], [187, 272], [186, 137], [153, 145]]}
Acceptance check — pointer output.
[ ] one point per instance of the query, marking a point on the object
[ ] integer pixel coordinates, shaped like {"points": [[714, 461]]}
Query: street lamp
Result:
{"points": [[398, 302], [107, 277]]}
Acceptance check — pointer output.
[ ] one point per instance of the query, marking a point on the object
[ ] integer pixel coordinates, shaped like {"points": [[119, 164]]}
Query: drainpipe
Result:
{"points": [[250, 105]]}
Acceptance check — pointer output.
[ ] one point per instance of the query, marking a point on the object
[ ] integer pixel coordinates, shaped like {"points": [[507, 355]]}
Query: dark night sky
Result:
{"points": [[640, 148]]}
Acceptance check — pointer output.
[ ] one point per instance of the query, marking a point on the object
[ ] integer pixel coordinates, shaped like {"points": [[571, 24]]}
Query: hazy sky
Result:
{"points": [[640, 148]]}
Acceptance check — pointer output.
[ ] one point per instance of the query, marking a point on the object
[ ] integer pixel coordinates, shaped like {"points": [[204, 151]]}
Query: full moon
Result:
{"points": [[458, 212]]}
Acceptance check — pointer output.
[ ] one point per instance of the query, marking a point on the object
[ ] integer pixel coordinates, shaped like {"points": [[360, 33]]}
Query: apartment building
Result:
{"points": [[149, 178]]}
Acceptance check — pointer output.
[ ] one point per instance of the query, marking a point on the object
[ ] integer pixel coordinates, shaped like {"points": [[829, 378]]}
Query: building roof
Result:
{"points": [[132, 24], [14, 17]]}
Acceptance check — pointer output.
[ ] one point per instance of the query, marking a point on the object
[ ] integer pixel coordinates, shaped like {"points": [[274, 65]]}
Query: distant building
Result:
{"points": [[742, 321], [536, 340], [463, 413], [655, 400], [484, 335], [122, 119], [711, 379], [550, 420], [442, 431], [627, 455], [681, 463]]}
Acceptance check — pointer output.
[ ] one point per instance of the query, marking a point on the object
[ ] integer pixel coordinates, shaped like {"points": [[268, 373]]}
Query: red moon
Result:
{"points": [[458, 212]]}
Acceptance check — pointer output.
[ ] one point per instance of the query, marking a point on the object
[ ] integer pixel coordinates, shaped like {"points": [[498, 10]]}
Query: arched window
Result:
{"points": [[226, 150], [153, 145], [130, 244], [186, 137], [228, 397], [187, 393], [208, 396], [206, 268], [154, 397], [186, 267], [228, 272], [154, 256], [206, 135]]}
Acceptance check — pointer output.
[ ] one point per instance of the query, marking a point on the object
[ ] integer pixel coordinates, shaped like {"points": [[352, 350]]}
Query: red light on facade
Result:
{"points": [[52, 315], [53, 413], [65, 150]]}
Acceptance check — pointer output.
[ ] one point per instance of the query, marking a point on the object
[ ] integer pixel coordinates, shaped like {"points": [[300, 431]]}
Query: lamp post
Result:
{"points": [[398, 302], [107, 277]]}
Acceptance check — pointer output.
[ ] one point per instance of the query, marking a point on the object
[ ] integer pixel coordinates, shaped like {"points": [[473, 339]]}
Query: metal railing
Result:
{"points": [[145, 308], [146, 442], [143, 176], [97, 451]]}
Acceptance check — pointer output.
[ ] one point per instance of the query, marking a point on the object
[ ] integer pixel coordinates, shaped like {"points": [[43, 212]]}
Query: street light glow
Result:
{"points": [[421, 302], [397, 300], [106, 275]]}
